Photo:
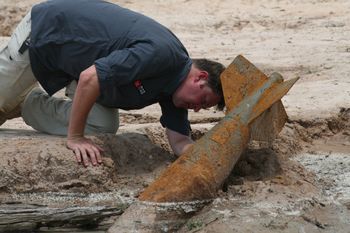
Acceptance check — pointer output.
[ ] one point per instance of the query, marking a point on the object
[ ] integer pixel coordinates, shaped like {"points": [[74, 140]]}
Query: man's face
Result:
{"points": [[194, 93]]}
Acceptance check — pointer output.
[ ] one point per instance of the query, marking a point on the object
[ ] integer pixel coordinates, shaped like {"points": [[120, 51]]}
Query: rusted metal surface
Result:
{"points": [[267, 126], [202, 169], [240, 79]]}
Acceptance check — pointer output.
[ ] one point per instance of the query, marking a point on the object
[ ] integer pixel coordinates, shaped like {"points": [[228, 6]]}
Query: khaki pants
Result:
{"points": [[40, 111], [16, 77], [51, 114]]}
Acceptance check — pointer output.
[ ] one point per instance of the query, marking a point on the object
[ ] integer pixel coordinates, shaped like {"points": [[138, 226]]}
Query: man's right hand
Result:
{"points": [[85, 151], [84, 98]]}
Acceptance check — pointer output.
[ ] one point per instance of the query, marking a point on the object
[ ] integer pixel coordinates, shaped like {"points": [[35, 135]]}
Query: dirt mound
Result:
{"points": [[42, 164]]}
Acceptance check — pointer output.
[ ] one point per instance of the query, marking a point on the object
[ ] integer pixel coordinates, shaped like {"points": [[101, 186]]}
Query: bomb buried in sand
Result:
{"points": [[202, 169]]}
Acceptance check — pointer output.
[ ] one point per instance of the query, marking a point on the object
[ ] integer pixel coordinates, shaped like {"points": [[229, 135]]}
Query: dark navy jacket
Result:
{"points": [[138, 61]]}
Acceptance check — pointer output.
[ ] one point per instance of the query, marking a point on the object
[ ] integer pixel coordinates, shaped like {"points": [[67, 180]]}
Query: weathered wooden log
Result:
{"points": [[19, 217]]}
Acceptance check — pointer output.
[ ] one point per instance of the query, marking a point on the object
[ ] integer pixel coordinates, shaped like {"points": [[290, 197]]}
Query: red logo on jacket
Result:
{"points": [[139, 87]]}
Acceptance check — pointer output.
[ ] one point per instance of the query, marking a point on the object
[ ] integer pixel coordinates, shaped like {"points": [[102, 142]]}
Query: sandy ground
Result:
{"points": [[300, 183]]}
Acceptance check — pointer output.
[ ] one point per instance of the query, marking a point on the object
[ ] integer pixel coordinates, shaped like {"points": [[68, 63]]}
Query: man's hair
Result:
{"points": [[214, 70]]}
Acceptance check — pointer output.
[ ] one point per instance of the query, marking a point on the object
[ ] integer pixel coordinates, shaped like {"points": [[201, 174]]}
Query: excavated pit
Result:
{"points": [[304, 168]]}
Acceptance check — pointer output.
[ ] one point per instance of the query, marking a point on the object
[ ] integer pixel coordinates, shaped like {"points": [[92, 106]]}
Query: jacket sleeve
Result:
{"points": [[126, 65], [174, 118]]}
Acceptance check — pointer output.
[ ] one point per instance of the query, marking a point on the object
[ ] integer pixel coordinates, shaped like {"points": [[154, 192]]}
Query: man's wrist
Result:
{"points": [[75, 136]]}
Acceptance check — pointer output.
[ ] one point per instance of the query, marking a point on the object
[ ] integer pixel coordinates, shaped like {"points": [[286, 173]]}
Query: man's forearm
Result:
{"points": [[179, 143], [84, 98], [182, 146]]}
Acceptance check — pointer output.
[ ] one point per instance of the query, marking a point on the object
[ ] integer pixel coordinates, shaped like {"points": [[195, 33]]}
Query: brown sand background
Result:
{"points": [[298, 184]]}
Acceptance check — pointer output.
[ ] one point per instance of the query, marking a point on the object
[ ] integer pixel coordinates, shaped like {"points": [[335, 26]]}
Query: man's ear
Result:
{"points": [[203, 78], [203, 75]]}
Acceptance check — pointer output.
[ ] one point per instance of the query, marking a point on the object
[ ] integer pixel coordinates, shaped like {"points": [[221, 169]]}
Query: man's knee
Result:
{"points": [[109, 126], [103, 120]]}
